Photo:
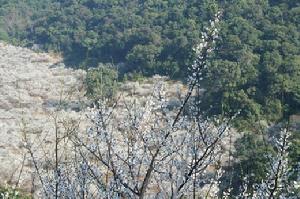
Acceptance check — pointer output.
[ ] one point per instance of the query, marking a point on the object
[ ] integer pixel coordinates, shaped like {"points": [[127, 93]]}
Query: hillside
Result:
{"points": [[255, 66], [164, 79], [32, 86], [36, 90]]}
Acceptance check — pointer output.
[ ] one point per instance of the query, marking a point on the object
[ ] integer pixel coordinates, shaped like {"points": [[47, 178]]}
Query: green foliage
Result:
{"points": [[256, 67], [143, 56], [101, 82], [253, 162], [9, 193], [294, 154], [254, 155], [147, 36], [3, 35], [134, 76]]}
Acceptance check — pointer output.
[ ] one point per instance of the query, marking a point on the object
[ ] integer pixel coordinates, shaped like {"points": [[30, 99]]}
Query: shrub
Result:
{"points": [[101, 82]]}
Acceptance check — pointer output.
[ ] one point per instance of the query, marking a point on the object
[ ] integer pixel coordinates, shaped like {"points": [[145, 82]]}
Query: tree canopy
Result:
{"points": [[256, 65]]}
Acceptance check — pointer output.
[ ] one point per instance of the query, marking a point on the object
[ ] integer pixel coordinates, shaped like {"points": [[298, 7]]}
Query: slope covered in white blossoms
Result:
{"points": [[38, 96], [35, 90], [32, 86]]}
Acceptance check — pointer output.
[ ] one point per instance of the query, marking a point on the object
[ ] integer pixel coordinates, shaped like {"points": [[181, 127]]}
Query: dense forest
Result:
{"points": [[255, 67], [147, 36]]}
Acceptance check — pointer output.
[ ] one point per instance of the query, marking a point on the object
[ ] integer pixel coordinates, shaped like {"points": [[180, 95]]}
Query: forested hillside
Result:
{"points": [[247, 75], [147, 36], [256, 67]]}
